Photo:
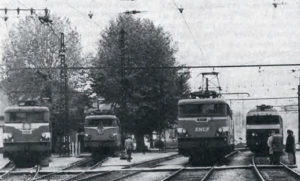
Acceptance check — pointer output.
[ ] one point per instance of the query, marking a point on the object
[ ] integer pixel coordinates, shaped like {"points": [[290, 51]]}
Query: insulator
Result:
{"points": [[5, 11], [31, 11], [90, 15], [180, 10], [46, 12], [18, 11]]}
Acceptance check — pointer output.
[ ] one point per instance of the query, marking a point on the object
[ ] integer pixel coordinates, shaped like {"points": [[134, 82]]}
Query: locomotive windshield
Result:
{"points": [[103, 122], [195, 110], [270, 119], [33, 117]]}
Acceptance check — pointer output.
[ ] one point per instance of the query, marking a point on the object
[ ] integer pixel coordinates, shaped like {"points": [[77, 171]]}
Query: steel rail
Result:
{"points": [[256, 171], [208, 174], [83, 172], [6, 165], [231, 154], [74, 177], [152, 161], [7, 173], [60, 171], [98, 163], [174, 174], [78, 163], [291, 171], [94, 176], [126, 176], [38, 168]]}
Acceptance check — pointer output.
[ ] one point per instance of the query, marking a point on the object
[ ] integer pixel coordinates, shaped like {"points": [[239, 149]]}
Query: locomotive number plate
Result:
{"points": [[201, 129], [26, 132]]}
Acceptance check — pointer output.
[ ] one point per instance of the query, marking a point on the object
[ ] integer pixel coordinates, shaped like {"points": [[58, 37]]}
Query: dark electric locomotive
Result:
{"points": [[261, 121], [27, 135], [205, 128], [102, 134]]}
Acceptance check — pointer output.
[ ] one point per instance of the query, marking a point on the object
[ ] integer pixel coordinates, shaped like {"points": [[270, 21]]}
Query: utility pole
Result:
{"points": [[63, 101], [299, 112], [122, 57], [122, 72]]}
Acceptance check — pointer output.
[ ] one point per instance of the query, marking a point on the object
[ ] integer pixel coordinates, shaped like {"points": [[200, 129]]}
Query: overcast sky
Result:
{"points": [[214, 32]]}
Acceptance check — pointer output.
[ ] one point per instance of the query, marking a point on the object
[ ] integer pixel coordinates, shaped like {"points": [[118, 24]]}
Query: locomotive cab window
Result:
{"points": [[103, 122], [33, 117], [263, 120], [194, 110]]}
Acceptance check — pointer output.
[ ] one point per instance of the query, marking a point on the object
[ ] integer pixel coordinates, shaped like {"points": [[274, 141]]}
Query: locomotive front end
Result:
{"points": [[204, 127], [260, 122], [26, 133], [102, 134]]}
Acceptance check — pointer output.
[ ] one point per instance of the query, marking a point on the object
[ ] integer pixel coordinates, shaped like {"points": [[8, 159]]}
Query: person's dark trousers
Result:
{"points": [[271, 159], [294, 157], [129, 155], [276, 157]]}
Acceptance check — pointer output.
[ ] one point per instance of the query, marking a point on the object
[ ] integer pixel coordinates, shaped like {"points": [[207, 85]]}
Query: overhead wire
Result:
{"points": [[189, 28]]}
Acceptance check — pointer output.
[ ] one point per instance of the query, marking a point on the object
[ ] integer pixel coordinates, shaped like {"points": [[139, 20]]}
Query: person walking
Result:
{"points": [[129, 147], [290, 147], [275, 144]]}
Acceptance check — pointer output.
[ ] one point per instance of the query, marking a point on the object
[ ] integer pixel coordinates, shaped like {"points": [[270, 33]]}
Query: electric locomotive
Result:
{"points": [[102, 134], [27, 135], [260, 122], [205, 129]]}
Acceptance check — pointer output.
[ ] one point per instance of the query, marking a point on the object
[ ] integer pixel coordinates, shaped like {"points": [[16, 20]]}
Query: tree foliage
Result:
{"points": [[32, 44], [151, 95]]}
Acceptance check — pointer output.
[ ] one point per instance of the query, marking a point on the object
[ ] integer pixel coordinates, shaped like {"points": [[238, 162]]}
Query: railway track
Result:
{"points": [[275, 173], [149, 171], [8, 168], [38, 168], [79, 170], [123, 175]]}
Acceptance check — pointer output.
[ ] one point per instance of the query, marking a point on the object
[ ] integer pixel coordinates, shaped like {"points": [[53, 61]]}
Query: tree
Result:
{"points": [[32, 44], [147, 97]]}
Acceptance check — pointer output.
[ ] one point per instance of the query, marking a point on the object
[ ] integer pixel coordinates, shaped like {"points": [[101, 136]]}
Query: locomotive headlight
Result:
{"points": [[46, 135], [254, 134], [7, 136], [87, 136], [114, 135], [220, 130], [181, 130]]}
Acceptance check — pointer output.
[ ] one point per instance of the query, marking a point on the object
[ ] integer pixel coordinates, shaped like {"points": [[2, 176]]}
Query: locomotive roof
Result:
{"points": [[101, 116], [197, 101], [26, 109], [270, 111]]}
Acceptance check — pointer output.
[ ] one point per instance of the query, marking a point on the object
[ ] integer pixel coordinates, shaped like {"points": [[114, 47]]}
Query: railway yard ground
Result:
{"points": [[242, 165]]}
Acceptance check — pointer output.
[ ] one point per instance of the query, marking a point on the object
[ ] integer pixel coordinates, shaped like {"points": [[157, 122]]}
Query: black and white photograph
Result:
{"points": [[150, 90]]}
